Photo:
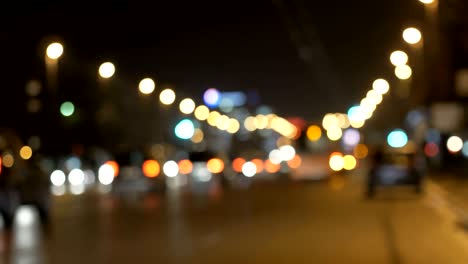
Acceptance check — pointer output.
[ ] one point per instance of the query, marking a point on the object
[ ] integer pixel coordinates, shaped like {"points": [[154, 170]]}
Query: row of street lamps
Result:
{"points": [[168, 96], [357, 115]]}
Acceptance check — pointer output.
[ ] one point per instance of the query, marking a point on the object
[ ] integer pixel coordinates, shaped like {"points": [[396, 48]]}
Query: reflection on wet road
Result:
{"points": [[269, 223]]}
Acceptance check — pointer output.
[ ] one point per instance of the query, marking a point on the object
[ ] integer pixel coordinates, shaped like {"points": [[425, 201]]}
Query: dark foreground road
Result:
{"points": [[269, 223]]}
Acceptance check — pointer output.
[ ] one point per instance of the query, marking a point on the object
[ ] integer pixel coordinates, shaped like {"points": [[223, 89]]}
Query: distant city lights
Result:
{"points": [[249, 169], [8, 160], [146, 86], [412, 35], [167, 97], [397, 138], [398, 58], [54, 51], [187, 106], [114, 165], [336, 161], [237, 164], [381, 86], [106, 70], [215, 165], [454, 144], [349, 162], [151, 168], [431, 149], [212, 97], [334, 133], [185, 166], [361, 151], [198, 136], [76, 177], [403, 72], [67, 109], [314, 133], [171, 169], [106, 174], [202, 112], [465, 149], [57, 178], [26, 152], [287, 152], [185, 129], [351, 137]]}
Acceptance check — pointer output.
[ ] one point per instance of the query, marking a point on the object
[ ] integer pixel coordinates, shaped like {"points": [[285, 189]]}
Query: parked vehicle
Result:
{"points": [[393, 168], [22, 182]]}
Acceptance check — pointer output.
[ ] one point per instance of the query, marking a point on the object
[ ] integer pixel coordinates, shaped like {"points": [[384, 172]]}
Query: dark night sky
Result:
{"points": [[194, 45]]}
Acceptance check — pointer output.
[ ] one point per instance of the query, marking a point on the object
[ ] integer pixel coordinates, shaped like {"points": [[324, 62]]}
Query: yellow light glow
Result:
{"points": [[412, 35], [334, 134], [381, 86], [234, 126], [295, 162], [151, 168], [343, 120], [426, 1], [26, 152], [374, 97], [54, 51], [284, 127], [330, 121], [367, 105], [213, 118], [336, 161], [167, 96], [222, 123], [357, 123], [250, 123], [146, 86], [314, 133], [403, 72], [106, 70], [202, 112], [215, 165], [198, 136], [185, 166], [187, 106], [8, 160], [360, 151], [261, 122], [349, 162], [398, 58], [454, 144]]}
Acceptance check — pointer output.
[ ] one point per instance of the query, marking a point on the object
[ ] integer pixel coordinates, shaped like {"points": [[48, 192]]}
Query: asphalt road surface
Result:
{"points": [[321, 222]]}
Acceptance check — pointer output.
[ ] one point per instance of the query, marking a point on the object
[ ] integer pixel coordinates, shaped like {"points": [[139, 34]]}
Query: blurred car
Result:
{"points": [[22, 182], [131, 179], [394, 168], [313, 167]]}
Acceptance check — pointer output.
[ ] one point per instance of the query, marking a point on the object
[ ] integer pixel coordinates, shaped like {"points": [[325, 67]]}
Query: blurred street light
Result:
{"points": [[146, 86], [67, 109], [403, 72], [398, 58], [54, 51], [106, 70], [412, 35], [426, 2], [202, 112], [381, 86], [167, 96], [187, 106]]}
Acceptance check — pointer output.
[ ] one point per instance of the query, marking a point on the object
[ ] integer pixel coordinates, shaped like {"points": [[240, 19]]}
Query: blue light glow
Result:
{"points": [[397, 138], [212, 97], [185, 129]]}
